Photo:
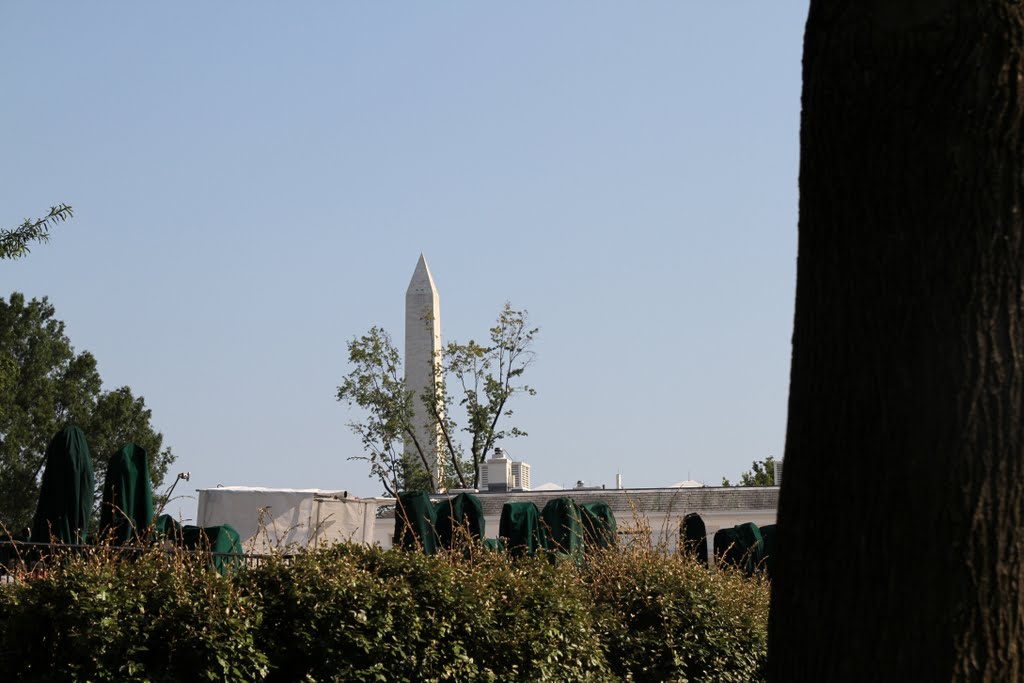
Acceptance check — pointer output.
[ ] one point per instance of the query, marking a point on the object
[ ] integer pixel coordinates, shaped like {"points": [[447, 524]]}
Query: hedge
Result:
{"points": [[351, 613]]}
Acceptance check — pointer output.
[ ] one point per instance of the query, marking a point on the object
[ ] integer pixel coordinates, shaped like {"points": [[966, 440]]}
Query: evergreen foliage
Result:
{"points": [[45, 385], [353, 613]]}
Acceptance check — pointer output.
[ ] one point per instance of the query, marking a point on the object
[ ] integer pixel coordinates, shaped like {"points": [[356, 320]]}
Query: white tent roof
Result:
{"points": [[550, 486], [686, 484]]}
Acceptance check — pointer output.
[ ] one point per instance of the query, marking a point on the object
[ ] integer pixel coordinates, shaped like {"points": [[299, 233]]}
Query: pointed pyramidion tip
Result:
{"points": [[422, 279]]}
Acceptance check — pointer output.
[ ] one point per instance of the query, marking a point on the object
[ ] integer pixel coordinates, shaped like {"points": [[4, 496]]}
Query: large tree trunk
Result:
{"points": [[901, 517]]}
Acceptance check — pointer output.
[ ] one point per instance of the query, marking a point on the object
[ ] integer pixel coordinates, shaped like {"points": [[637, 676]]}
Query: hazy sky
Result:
{"points": [[254, 182]]}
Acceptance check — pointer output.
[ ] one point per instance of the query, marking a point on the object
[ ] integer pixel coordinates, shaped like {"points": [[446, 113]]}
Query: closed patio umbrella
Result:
{"points": [[66, 494]]}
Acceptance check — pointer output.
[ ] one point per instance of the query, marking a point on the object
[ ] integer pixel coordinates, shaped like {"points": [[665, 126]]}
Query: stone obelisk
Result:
{"points": [[423, 365]]}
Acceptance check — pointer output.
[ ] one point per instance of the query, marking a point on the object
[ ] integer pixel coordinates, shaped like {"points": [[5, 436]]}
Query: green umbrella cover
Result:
{"points": [[459, 519], [598, 524], [66, 494], [415, 522], [563, 521], [127, 507], [521, 529]]}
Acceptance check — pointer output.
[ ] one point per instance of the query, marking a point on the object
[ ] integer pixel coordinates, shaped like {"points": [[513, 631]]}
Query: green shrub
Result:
{"points": [[327, 618], [667, 618], [361, 614], [98, 617], [351, 613], [543, 626]]}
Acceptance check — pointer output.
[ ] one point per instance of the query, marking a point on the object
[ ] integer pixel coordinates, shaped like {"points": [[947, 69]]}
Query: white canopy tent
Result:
{"points": [[279, 519]]}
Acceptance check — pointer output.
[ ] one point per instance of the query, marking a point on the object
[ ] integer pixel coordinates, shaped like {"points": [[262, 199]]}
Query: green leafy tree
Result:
{"points": [[376, 385], [44, 385], [119, 417], [478, 380], [761, 473], [483, 380], [14, 243]]}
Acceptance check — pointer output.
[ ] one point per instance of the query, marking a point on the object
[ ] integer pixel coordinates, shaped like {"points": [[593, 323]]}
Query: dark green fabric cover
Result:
{"points": [[221, 539], [598, 525], [521, 529], [211, 539], [456, 517], [750, 535], [67, 491], [769, 535], [740, 546], [215, 539], [168, 526], [126, 510], [693, 537], [563, 524], [727, 546], [415, 522]]}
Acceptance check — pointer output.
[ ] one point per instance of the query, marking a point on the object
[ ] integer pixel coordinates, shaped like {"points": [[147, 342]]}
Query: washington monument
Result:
{"points": [[423, 367]]}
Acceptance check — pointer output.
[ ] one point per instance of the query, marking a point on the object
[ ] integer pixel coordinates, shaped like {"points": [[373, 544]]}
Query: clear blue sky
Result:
{"points": [[254, 182]]}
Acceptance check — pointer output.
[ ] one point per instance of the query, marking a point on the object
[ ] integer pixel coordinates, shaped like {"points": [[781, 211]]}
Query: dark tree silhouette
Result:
{"points": [[901, 519]]}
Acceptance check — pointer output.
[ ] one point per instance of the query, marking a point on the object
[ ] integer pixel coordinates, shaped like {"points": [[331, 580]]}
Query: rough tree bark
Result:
{"points": [[908, 351]]}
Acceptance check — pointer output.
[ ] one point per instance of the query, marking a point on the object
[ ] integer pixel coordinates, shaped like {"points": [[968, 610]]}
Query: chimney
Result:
{"points": [[499, 472]]}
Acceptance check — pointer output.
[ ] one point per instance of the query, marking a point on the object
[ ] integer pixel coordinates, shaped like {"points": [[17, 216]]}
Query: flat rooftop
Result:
{"points": [[670, 501]]}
